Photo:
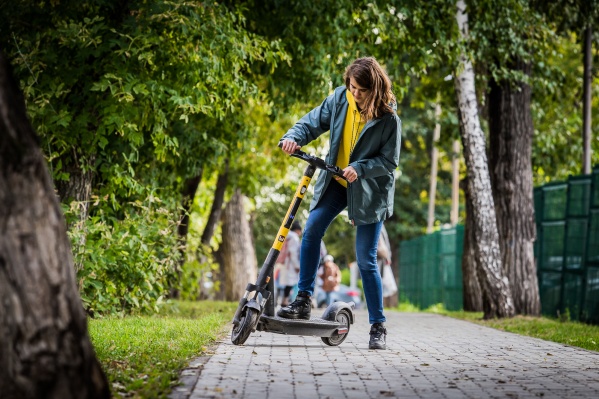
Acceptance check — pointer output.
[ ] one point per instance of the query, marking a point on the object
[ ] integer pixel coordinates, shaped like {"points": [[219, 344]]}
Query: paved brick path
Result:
{"points": [[428, 356]]}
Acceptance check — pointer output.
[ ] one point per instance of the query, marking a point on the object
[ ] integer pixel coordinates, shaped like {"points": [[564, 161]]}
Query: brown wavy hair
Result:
{"points": [[369, 74]]}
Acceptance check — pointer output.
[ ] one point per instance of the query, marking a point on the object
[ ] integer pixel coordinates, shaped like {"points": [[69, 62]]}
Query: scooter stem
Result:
{"points": [[267, 269]]}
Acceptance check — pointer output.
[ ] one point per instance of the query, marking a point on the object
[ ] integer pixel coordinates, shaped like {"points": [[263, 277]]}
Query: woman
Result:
{"points": [[365, 136]]}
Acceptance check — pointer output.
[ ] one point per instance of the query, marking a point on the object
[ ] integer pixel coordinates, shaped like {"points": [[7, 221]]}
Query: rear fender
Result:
{"points": [[330, 313]]}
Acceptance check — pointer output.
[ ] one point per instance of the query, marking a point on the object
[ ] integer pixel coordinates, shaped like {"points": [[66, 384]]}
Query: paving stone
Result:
{"points": [[429, 356]]}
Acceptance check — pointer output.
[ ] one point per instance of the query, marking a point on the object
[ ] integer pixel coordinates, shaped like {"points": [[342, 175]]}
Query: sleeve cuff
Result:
{"points": [[358, 169]]}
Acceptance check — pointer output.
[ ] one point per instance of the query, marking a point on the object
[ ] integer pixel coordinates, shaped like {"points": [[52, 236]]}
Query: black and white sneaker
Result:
{"points": [[378, 334], [298, 309]]}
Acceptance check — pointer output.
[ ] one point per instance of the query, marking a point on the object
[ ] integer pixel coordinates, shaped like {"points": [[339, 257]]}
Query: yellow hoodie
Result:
{"points": [[351, 132]]}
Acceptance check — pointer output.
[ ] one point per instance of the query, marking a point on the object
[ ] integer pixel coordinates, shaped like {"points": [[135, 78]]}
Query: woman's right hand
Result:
{"points": [[289, 146]]}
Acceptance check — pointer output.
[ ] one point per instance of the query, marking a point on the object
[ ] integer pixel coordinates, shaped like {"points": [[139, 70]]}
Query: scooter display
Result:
{"points": [[256, 307]]}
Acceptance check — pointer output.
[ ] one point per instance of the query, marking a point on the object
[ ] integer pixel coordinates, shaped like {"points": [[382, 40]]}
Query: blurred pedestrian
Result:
{"points": [[318, 284], [289, 274], [383, 255], [331, 278], [277, 281]]}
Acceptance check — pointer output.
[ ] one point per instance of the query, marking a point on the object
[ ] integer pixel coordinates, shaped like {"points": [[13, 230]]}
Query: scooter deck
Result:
{"points": [[316, 326]]}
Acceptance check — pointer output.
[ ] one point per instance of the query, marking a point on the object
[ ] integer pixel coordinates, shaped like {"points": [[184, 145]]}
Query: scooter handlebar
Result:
{"points": [[318, 163]]}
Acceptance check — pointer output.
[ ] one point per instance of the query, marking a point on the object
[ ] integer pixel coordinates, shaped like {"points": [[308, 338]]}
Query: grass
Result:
{"points": [[142, 355], [572, 333]]}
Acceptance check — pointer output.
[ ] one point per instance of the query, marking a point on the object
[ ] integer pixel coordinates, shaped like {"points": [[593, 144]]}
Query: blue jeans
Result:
{"points": [[332, 202]]}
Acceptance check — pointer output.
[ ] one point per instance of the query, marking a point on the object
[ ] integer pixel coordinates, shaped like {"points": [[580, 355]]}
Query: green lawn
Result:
{"points": [[142, 355], [565, 332]]}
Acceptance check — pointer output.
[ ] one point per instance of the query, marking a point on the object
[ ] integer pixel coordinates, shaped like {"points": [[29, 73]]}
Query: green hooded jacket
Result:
{"points": [[375, 157]]}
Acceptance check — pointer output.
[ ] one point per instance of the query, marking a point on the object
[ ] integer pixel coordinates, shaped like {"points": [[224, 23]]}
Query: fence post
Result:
{"points": [[575, 240], [590, 282]]}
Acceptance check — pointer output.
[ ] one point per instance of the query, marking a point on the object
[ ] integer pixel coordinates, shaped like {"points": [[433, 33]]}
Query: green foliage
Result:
{"points": [[557, 115], [547, 36], [569, 16], [133, 96], [320, 37], [411, 38], [142, 356], [189, 282], [126, 262], [113, 87]]}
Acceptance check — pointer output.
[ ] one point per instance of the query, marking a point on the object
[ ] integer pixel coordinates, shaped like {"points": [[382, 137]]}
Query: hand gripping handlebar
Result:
{"points": [[318, 163]]}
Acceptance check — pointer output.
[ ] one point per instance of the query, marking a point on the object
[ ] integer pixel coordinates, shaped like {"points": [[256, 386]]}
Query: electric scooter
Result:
{"points": [[256, 306]]}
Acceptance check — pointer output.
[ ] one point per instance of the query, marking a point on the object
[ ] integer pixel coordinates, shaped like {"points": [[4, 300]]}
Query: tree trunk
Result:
{"points": [[434, 165], [188, 193], [495, 285], [455, 184], [511, 134], [586, 99], [217, 204], [45, 349], [238, 253], [472, 294], [213, 219], [78, 188]]}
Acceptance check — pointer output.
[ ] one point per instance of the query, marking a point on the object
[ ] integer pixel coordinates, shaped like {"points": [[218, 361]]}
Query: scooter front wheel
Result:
{"points": [[344, 318], [242, 331]]}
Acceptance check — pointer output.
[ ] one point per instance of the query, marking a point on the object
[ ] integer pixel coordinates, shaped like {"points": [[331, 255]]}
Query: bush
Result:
{"points": [[125, 263]]}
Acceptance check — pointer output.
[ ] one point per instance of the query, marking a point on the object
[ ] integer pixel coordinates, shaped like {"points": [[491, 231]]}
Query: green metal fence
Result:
{"points": [[590, 300], [431, 269], [567, 247], [566, 251]]}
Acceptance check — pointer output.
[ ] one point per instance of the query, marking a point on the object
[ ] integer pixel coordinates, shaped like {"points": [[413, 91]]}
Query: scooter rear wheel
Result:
{"points": [[242, 331], [342, 317]]}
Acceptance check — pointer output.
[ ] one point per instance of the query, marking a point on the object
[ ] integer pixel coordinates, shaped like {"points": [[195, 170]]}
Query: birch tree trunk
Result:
{"points": [[587, 88], [495, 286], [455, 183], [239, 265], [511, 134], [432, 194], [45, 350], [472, 294]]}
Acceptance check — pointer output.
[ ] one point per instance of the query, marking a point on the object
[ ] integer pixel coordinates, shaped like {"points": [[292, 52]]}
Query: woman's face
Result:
{"points": [[358, 92]]}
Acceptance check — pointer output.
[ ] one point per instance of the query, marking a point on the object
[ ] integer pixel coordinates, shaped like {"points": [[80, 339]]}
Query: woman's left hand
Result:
{"points": [[350, 174]]}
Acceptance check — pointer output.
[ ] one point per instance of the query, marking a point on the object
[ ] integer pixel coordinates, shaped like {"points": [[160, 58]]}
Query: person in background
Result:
{"points": [[277, 283], [364, 142], [318, 285], [331, 277], [290, 254], [383, 256]]}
